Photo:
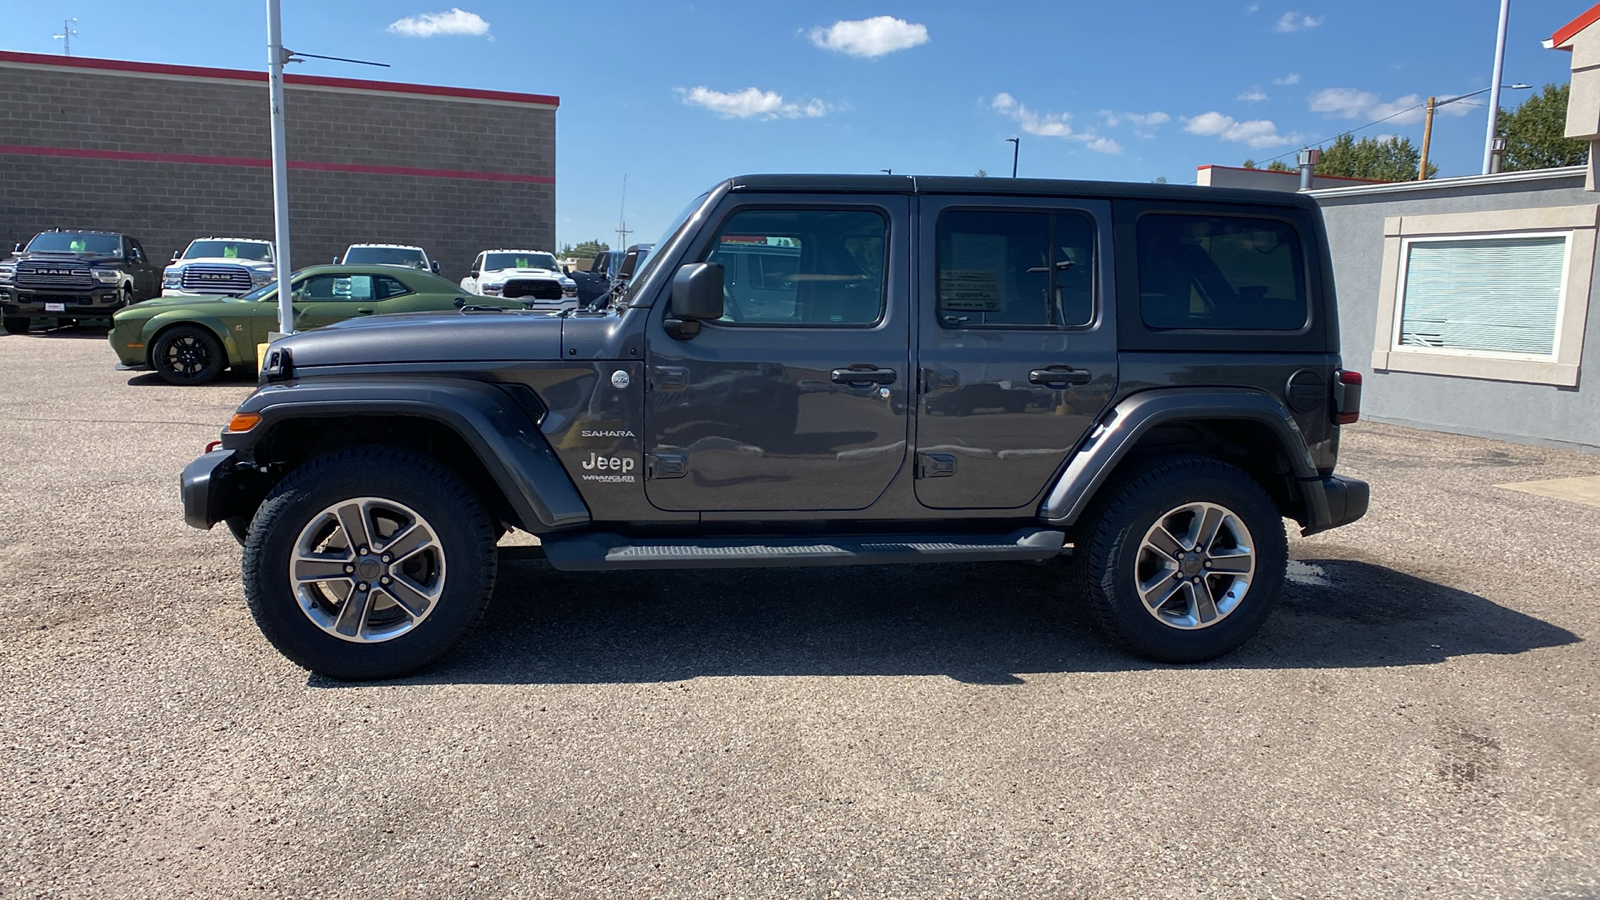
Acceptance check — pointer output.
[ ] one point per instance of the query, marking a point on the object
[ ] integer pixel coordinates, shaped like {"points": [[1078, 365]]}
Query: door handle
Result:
{"points": [[1059, 375], [863, 375]]}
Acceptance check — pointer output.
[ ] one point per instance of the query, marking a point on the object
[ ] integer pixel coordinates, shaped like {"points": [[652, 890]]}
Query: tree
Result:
{"points": [[589, 248], [1535, 133], [1391, 159]]}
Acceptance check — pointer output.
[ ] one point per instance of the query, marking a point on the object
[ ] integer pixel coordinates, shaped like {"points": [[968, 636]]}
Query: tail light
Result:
{"points": [[1346, 397]]}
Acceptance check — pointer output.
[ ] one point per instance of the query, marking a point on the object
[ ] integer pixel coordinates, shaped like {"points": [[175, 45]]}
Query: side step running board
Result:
{"points": [[609, 552]]}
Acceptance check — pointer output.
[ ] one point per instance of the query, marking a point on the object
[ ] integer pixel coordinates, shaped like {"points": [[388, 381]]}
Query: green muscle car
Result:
{"points": [[190, 340]]}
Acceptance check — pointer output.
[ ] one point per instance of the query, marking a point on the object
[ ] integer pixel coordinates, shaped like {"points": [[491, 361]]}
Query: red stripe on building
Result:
{"points": [[355, 84], [258, 163]]}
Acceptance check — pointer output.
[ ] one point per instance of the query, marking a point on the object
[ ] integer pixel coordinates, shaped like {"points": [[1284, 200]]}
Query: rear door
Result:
{"points": [[1018, 350], [796, 402]]}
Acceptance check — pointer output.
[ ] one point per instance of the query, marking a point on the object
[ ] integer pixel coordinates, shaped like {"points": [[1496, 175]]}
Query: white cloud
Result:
{"points": [[1254, 95], [1296, 21], [1350, 103], [456, 21], [752, 103], [1291, 78], [876, 36], [1346, 102], [1056, 125], [1256, 132], [1113, 119]]}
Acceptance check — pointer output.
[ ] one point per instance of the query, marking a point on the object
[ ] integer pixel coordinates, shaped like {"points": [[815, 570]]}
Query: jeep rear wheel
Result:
{"points": [[1183, 560], [368, 563], [16, 324], [188, 354]]}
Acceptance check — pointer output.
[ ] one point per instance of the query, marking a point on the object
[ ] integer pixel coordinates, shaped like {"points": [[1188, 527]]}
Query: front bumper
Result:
{"points": [[19, 302], [203, 486]]}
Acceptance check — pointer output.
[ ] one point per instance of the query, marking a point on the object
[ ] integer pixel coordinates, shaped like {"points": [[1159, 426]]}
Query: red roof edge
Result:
{"points": [[1570, 30], [360, 84], [1296, 173]]}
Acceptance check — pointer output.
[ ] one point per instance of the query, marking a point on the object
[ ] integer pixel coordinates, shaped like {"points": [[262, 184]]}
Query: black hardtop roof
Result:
{"points": [[1032, 187]]}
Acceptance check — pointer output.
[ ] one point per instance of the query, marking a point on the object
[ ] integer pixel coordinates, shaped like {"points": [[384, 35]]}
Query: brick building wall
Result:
{"points": [[171, 153]]}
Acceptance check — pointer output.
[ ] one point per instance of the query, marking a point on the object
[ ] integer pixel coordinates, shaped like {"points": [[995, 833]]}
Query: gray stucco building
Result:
{"points": [[169, 153]]}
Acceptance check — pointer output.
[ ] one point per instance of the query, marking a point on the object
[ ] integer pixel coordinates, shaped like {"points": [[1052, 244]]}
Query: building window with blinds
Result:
{"points": [[1500, 295], [1483, 295]]}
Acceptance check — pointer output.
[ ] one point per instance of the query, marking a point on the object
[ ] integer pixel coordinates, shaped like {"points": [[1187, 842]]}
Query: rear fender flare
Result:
{"points": [[505, 440], [1120, 429]]}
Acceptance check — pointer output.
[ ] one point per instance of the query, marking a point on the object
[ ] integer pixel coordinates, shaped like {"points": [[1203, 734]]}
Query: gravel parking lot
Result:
{"points": [[1419, 718]]}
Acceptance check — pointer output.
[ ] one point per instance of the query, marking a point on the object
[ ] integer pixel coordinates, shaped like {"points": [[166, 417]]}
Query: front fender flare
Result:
{"points": [[505, 440], [1120, 429], [219, 329]]}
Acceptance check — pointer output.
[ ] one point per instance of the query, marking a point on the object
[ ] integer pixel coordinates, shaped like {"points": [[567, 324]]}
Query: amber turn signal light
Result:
{"points": [[244, 421]]}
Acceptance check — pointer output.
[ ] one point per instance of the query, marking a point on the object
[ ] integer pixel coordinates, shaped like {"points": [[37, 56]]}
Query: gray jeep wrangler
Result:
{"points": [[822, 371]]}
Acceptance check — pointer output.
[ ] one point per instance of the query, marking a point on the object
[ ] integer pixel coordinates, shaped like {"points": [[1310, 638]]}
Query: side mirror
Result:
{"points": [[697, 291], [433, 266]]}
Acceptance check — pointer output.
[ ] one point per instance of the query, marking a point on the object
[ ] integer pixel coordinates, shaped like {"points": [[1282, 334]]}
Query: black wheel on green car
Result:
{"points": [[1181, 559], [188, 354], [368, 562], [16, 324]]}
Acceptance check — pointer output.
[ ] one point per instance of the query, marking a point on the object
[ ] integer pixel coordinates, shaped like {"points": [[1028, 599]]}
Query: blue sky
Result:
{"points": [[677, 96]]}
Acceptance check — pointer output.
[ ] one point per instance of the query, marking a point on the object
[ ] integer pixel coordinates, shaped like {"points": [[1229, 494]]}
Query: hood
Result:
{"points": [[429, 338], [64, 256], [223, 260], [519, 273]]}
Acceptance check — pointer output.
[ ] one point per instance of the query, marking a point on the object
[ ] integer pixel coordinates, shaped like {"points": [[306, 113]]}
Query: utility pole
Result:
{"points": [[1016, 145], [622, 217], [1494, 91], [276, 57], [67, 34]]}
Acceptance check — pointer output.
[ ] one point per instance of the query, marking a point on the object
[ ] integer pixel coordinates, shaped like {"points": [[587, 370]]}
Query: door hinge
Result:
{"points": [[668, 378], [666, 465], [936, 465], [940, 380]]}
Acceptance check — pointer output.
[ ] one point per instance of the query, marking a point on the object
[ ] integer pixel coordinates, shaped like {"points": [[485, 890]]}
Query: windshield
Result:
{"points": [[642, 274], [494, 261], [75, 242], [259, 251], [386, 256]]}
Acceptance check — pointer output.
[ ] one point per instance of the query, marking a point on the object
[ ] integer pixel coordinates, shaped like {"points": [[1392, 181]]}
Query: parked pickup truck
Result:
{"points": [[71, 275], [1137, 383]]}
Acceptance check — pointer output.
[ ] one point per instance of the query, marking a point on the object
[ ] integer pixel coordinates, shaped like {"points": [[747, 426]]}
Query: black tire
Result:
{"points": [[17, 324], [1112, 559], [188, 354], [462, 558]]}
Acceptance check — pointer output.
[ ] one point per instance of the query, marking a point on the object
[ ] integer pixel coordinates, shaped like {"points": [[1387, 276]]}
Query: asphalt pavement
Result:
{"points": [[1419, 718]]}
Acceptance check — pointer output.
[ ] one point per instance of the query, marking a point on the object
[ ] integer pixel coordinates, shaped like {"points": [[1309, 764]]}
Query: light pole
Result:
{"points": [[1494, 97], [1016, 145], [1427, 121]]}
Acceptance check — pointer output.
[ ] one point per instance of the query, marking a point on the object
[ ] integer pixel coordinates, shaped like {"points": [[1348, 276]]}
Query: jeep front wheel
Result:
{"points": [[1183, 560], [369, 562]]}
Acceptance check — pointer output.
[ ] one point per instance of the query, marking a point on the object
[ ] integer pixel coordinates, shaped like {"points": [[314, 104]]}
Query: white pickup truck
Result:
{"points": [[531, 276], [213, 266]]}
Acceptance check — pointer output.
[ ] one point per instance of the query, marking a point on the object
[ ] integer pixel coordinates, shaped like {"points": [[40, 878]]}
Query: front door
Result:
{"points": [[1018, 351], [796, 398]]}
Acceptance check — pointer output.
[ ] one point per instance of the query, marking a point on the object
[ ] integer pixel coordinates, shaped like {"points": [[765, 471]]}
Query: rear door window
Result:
{"points": [[1220, 273]]}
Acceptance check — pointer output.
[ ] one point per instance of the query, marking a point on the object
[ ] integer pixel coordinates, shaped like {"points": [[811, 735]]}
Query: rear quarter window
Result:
{"points": [[1220, 273]]}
